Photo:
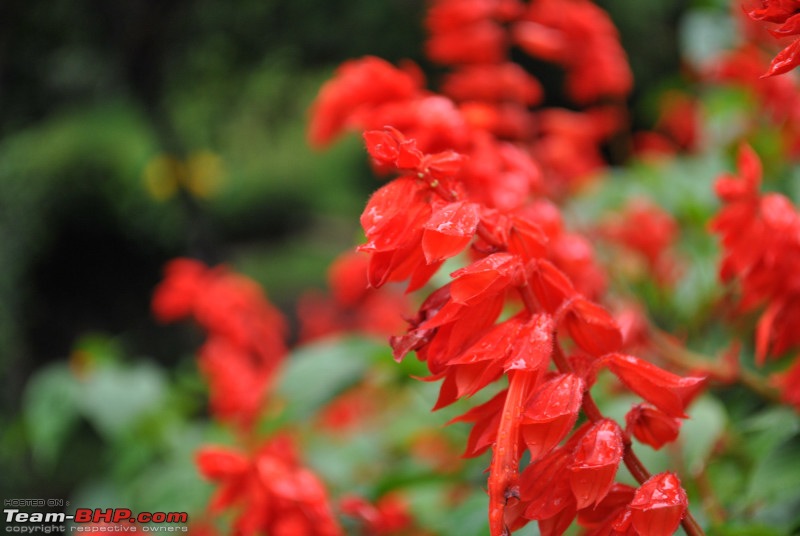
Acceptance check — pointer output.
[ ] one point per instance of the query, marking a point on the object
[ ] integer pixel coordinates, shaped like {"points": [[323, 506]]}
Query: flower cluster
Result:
{"points": [[475, 167], [460, 333], [273, 492], [760, 235], [245, 344]]}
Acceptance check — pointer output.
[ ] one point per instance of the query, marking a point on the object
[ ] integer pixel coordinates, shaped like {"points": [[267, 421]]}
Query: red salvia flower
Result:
{"points": [[551, 413], [659, 505], [667, 391], [762, 250], [602, 517], [595, 461], [246, 333], [580, 36], [359, 85], [652, 426], [274, 494], [592, 328]]}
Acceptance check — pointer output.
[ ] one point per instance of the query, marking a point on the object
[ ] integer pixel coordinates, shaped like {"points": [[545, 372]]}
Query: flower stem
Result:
{"points": [[504, 474]]}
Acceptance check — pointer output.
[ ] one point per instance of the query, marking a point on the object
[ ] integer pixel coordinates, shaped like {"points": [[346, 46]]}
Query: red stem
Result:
{"points": [[504, 473]]}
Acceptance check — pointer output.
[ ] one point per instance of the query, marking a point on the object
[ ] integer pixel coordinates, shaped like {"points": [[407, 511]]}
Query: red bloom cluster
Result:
{"points": [[761, 239], [458, 335], [241, 357], [786, 14], [485, 113], [275, 494], [470, 165], [245, 344]]}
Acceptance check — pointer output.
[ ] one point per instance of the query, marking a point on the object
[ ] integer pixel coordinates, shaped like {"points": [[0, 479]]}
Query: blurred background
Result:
{"points": [[135, 131]]}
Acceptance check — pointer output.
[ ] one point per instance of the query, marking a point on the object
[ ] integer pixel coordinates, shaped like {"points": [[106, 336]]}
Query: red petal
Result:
{"points": [[217, 463], [495, 345], [786, 60], [444, 165], [551, 413], [607, 511], [668, 392], [594, 467], [533, 346], [487, 420], [393, 215], [592, 327], [382, 146], [659, 505], [545, 485], [550, 285], [652, 426], [449, 230], [791, 26], [489, 275]]}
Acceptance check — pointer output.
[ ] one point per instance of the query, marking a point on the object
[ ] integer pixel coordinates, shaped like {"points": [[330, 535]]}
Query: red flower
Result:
{"points": [[449, 230], [175, 298], [659, 505], [580, 36], [668, 392], [591, 327], [502, 82], [595, 463], [551, 412], [652, 426], [246, 333], [359, 85], [273, 493]]}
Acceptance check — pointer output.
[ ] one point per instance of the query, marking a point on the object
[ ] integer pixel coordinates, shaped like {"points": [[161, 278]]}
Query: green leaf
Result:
{"points": [[776, 475], [50, 411], [317, 372], [114, 398], [700, 433]]}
